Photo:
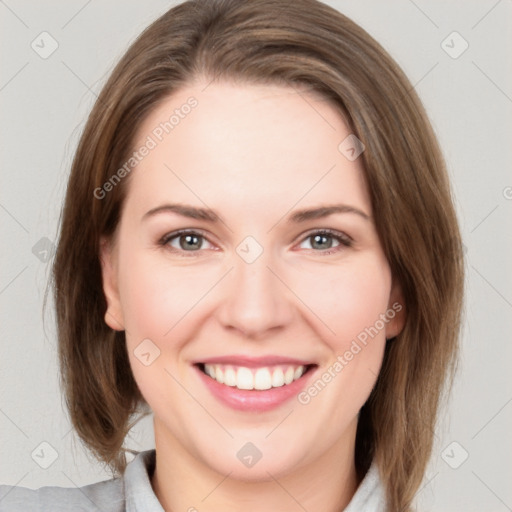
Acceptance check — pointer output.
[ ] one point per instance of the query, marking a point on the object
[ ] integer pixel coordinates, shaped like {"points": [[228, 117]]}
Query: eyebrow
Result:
{"points": [[325, 211], [193, 212]]}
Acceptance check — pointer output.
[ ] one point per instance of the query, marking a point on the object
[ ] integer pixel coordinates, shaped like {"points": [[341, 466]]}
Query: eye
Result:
{"points": [[323, 241], [326, 241], [185, 241]]}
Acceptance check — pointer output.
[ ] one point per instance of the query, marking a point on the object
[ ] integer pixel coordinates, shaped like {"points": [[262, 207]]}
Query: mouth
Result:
{"points": [[260, 379], [254, 385]]}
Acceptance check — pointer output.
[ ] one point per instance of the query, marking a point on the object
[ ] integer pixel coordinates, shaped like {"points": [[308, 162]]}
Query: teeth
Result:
{"points": [[260, 378], [219, 375], [230, 377], [244, 378], [298, 373], [278, 378], [288, 376]]}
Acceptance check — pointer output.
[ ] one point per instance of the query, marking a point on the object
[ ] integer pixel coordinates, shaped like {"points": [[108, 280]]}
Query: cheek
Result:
{"points": [[160, 302], [346, 298], [156, 295], [340, 300], [350, 301]]}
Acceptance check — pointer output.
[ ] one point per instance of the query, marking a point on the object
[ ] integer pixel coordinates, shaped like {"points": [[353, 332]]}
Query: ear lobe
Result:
{"points": [[114, 313], [396, 312]]}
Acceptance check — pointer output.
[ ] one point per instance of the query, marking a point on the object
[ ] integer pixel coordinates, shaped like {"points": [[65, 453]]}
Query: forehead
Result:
{"points": [[247, 147]]}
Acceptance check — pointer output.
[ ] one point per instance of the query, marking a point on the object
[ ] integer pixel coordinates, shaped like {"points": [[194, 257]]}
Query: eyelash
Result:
{"points": [[344, 241]]}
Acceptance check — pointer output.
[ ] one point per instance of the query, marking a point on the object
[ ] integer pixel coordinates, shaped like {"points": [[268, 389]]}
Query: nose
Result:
{"points": [[255, 300]]}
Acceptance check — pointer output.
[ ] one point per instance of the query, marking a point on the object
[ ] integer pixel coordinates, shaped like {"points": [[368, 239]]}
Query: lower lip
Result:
{"points": [[253, 399]]}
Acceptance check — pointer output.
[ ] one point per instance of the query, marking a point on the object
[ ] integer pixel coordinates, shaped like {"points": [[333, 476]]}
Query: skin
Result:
{"points": [[254, 154]]}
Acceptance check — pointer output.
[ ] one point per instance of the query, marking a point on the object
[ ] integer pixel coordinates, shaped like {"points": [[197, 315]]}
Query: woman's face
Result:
{"points": [[279, 281]]}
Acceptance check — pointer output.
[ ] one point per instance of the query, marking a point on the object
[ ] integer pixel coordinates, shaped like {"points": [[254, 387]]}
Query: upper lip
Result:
{"points": [[253, 362]]}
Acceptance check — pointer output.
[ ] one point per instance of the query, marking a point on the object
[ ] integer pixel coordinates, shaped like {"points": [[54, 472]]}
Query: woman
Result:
{"points": [[258, 245]]}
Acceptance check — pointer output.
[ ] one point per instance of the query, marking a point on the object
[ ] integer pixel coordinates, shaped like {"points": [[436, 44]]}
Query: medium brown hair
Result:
{"points": [[300, 42]]}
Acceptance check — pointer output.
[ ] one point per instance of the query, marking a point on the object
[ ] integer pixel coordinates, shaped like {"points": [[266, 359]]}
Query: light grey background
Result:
{"points": [[44, 103]]}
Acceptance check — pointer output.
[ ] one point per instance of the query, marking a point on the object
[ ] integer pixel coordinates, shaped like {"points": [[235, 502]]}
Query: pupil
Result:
{"points": [[322, 239], [191, 242]]}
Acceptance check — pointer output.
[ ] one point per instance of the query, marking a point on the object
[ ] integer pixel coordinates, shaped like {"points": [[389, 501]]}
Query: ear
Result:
{"points": [[396, 312], [114, 314]]}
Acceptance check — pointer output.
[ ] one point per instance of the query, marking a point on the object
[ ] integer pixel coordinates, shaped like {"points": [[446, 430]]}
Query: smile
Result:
{"points": [[255, 378], [254, 384]]}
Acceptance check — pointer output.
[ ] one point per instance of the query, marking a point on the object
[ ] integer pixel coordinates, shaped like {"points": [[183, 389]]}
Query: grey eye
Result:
{"points": [[188, 242]]}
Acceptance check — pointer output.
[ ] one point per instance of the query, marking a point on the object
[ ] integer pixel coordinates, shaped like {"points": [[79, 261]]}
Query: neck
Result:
{"points": [[182, 482]]}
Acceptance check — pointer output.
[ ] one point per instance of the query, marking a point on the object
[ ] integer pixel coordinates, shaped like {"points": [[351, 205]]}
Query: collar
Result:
{"points": [[140, 497]]}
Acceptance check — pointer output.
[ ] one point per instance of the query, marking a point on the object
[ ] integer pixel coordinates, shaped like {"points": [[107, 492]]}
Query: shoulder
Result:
{"points": [[131, 492], [107, 496]]}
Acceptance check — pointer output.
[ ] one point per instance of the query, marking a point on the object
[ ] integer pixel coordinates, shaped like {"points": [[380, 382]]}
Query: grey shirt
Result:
{"points": [[133, 493]]}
